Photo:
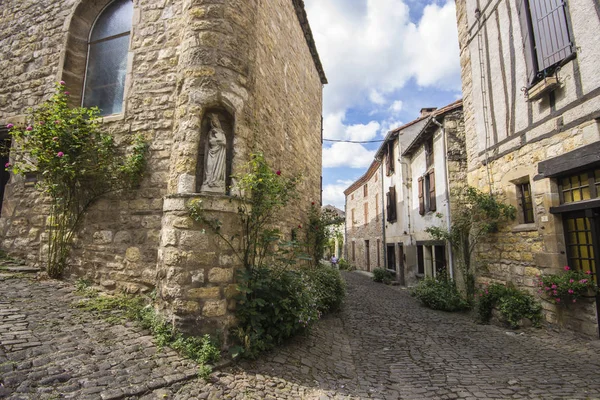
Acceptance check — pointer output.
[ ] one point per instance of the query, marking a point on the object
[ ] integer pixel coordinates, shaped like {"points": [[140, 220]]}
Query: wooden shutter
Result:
{"points": [[527, 35], [393, 203], [550, 31], [432, 205], [421, 198]]}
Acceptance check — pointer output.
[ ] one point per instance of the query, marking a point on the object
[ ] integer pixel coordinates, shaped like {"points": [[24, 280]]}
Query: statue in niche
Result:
{"points": [[215, 165]]}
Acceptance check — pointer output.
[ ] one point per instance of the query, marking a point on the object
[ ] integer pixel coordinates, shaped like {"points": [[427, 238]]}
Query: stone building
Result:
{"points": [[531, 93], [364, 229], [423, 161], [187, 75]]}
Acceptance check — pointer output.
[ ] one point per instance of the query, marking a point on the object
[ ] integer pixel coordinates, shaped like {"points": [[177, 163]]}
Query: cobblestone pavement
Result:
{"points": [[382, 345]]}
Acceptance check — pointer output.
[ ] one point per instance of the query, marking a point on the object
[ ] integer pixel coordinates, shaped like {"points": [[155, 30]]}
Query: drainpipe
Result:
{"points": [[383, 217], [446, 192], [346, 228]]}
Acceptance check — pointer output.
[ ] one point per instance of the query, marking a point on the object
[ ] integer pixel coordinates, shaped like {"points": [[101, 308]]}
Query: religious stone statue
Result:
{"points": [[215, 158]]}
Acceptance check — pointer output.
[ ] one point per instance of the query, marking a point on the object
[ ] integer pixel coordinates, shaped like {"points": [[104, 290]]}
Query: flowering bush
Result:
{"points": [[76, 164], [566, 287]]}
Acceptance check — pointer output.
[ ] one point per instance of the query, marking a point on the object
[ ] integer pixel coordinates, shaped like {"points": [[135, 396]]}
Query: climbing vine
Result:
{"points": [[76, 163], [476, 215]]}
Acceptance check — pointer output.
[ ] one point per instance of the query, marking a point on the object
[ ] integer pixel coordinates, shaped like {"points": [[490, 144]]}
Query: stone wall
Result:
{"points": [[358, 230], [519, 134], [250, 61]]}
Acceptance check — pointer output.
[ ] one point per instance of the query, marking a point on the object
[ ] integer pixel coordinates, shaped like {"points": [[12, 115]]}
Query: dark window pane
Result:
{"points": [[105, 79], [114, 20]]}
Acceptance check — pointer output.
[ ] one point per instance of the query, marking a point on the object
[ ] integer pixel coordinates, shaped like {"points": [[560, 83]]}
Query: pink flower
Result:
{"points": [[278, 172], [55, 138], [571, 280], [42, 122], [486, 292], [555, 292], [57, 122], [567, 268], [7, 165], [554, 286], [67, 93], [588, 272], [574, 300], [571, 291], [9, 126], [547, 288], [583, 281], [62, 82], [29, 128], [60, 154], [558, 300]]}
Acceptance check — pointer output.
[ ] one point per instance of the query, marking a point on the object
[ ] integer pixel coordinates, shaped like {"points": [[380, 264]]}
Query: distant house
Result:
{"points": [[336, 232], [364, 230], [531, 89], [423, 160]]}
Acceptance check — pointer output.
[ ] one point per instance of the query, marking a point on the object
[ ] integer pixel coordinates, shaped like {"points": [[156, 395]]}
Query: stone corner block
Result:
{"points": [[214, 308], [220, 275], [186, 183], [205, 293], [174, 204]]}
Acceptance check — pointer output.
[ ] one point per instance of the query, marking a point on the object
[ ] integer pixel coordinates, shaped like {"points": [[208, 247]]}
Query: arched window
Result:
{"points": [[106, 68]]}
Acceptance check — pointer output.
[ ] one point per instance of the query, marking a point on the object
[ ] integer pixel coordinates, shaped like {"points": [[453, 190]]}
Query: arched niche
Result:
{"points": [[213, 119]]}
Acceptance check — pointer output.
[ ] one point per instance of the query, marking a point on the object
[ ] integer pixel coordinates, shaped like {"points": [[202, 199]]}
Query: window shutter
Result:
{"points": [[387, 161], [552, 41], [527, 35], [421, 198], [387, 206], [393, 203], [432, 205]]}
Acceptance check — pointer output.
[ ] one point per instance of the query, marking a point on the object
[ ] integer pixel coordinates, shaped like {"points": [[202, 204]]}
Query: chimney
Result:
{"points": [[427, 111]]}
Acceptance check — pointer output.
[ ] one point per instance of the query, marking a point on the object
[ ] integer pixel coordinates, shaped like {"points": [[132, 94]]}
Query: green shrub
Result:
{"points": [[272, 306], [345, 265], [512, 303], [382, 275], [329, 288], [440, 293]]}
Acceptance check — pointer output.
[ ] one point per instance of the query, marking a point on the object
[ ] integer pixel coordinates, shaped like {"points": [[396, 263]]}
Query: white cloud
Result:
{"points": [[334, 193], [433, 47], [351, 155], [334, 128], [370, 48], [376, 97], [388, 125], [396, 107]]}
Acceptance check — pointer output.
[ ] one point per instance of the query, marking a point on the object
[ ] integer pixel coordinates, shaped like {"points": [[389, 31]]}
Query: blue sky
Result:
{"points": [[385, 60]]}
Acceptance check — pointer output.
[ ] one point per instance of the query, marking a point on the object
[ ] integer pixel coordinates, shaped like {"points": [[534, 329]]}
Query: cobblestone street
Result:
{"points": [[382, 345]]}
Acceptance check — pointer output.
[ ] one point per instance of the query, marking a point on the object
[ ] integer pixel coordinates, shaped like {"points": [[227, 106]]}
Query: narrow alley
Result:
{"points": [[383, 345]]}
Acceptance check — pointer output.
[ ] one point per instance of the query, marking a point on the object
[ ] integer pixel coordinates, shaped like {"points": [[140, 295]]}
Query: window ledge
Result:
{"points": [[525, 228], [113, 117], [544, 86]]}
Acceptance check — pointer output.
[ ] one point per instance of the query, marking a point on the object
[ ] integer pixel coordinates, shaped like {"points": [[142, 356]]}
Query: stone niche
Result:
{"points": [[196, 268], [216, 122]]}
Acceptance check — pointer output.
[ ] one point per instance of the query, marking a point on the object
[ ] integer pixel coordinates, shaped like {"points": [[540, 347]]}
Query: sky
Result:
{"points": [[384, 60]]}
